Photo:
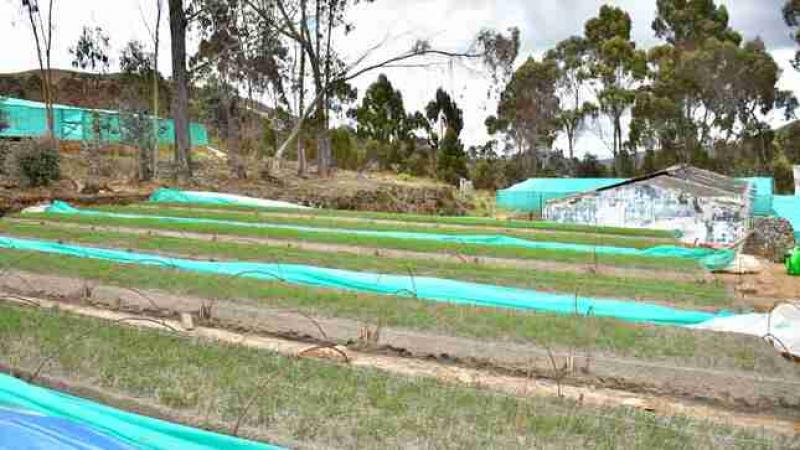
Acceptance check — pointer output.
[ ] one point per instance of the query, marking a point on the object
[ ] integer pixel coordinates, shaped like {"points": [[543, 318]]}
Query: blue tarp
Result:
{"points": [[711, 259], [426, 288], [33, 417], [23, 429]]}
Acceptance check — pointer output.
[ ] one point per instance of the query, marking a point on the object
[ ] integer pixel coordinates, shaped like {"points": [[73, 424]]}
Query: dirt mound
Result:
{"points": [[341, 190]]}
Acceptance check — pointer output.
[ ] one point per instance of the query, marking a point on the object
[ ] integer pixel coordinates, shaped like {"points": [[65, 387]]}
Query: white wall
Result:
{"points": [[639, 205]]}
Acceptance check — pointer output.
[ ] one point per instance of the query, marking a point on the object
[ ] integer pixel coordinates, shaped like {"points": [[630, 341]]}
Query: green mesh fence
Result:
{"points": [[761, 191], [531, 195], [25, 119]]}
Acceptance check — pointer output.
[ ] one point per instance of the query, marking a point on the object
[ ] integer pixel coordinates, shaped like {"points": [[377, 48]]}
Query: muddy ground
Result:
{"points": [[774, 385]]}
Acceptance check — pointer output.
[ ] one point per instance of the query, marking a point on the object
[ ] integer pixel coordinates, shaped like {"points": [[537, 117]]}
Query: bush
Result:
{"points": [[35, 163], [782, 173], [451, 164]]}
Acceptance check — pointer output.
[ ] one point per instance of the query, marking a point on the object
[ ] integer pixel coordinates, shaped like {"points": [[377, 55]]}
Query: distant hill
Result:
{"points": [[71, 88]]}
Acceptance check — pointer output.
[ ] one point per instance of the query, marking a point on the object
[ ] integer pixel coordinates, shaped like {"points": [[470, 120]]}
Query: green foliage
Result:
{"points": [[381, 116], [91, 50], [486, 174], [572, 59], [618, 66], [791, 15], [451, 163], [134, 60], [35, 163], [687, 23], [527, 109], [347, 154], [590, 167], [269, 139], [445, 108], [782, 173]]}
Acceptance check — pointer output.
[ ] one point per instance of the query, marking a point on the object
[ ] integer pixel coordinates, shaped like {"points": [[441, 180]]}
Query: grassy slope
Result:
{"points": [[601, 334], [449, 220], [683, 293], [673, 264], [320, 403], [369, 224]]}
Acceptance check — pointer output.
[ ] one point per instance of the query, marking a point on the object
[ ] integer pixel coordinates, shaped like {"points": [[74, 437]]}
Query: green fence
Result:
{"points": [[25, 119], [761, 192], [531, 195]]}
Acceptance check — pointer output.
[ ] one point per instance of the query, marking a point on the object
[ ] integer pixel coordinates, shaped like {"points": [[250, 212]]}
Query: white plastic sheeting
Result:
{"points": [[780, 327]]}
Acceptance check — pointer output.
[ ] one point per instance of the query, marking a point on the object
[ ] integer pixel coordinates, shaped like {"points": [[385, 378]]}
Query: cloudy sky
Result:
{"points": [[448, 24]]}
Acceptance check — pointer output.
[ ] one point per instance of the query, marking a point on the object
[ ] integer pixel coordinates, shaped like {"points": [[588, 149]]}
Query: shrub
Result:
{"points": [[35, 163]]}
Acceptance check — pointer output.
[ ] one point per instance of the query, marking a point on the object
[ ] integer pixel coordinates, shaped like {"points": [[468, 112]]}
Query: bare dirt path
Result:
{"points": [[549, 266], [515, 385], [773, 385], [764, 289]]}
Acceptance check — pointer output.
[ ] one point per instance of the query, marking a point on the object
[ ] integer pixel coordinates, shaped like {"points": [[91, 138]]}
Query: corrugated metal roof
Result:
{"points": [[700, 182]]}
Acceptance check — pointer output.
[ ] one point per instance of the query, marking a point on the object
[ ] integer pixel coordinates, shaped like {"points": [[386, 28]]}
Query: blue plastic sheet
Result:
{"points": [[22, 429], [426, 288], [708, 258], [69, 422]]}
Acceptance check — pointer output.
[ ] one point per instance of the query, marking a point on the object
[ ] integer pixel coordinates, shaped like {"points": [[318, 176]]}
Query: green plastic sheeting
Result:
{"points": [[761, 191], [25, 118], [134, 429], [793, 262], [531, 195], [788, 207], [709, 258], [425, 288], [166, 195]]}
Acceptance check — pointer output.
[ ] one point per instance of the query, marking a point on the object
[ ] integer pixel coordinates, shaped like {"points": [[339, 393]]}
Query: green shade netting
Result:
{"points": [[532, 195], [788, 207], [425, 288], [25, 118], [708, 258], [761, 191], [136, 430]]}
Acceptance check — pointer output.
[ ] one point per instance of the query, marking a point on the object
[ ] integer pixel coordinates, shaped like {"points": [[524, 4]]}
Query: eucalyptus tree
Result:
{"points": [[571, 57], [618, 68]]}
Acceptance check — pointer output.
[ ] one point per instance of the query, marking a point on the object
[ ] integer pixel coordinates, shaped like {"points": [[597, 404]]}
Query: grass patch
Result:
{"points": [[684, 293], [372, 225], [559, 331], [567, 256], [326, 405], [423, 218]]}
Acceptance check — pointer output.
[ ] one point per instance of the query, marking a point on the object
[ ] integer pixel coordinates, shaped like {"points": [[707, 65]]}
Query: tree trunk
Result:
{"points": [[180, 104], [301, 146], [156, 42], [617, 146], [233, 142]]}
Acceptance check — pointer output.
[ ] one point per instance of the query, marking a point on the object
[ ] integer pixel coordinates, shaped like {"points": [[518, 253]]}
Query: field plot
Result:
{"points": [[254, 226], [316, 403], [738, 382], [482, 222]]}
